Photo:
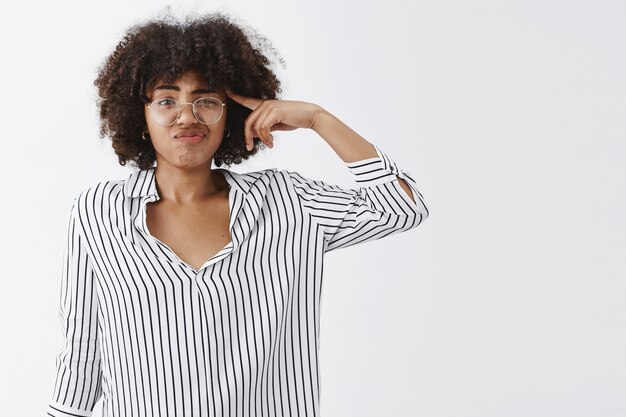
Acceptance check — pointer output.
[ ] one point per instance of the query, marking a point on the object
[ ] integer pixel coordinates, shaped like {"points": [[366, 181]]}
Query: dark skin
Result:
{"points": [[185, 229], [187, 186], [189, 189]]}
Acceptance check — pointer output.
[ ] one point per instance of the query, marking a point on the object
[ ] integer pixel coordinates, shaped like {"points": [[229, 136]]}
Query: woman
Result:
{"points": [[192, 291]]}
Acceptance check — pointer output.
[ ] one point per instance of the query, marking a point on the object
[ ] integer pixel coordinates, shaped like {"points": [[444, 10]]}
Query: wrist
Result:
{"points": [[320, 116]]}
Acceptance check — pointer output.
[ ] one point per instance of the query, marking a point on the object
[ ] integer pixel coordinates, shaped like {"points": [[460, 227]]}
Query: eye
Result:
{"points": [[207, 102], [166, 102]]}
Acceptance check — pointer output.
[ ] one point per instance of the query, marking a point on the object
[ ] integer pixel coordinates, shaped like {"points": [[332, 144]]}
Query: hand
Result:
{"points": [[270, 114]]}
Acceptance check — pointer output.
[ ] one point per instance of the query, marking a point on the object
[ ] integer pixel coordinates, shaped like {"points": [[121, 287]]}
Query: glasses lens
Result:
{"points": [[208, 110], [164, 111]]}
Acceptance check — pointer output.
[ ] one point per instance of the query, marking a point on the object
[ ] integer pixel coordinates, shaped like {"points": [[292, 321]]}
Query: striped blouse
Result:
{"points": [[149, 335]]}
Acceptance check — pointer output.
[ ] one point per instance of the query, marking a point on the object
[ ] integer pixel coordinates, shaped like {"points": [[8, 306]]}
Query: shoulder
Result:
{"points": [[253, 180], [259, 175], [95, 196]]}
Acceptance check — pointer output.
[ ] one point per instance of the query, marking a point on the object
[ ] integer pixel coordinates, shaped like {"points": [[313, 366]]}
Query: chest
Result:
{"points": [[194, 233]]}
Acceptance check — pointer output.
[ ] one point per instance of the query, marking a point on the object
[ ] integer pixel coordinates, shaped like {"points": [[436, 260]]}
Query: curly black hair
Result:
{"points": [[163, 48]]}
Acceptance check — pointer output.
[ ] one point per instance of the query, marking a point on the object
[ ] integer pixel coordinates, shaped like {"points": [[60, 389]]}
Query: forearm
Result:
{"points": [[349, 145]]}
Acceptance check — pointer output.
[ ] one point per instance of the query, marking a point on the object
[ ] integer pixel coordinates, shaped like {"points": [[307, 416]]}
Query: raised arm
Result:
{"points": [[349, 145], [268, 115], [378, 207]]}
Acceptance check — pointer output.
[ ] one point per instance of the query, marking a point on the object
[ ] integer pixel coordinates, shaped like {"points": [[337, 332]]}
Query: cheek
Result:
{"points": [[155, 129], [218, 128]]}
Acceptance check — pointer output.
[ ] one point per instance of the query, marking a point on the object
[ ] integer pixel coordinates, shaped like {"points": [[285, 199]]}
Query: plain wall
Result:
{"points": [[507, 301]]}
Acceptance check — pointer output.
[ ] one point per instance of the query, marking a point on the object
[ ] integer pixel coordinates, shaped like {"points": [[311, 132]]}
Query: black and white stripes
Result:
{"points": [[150, 335]]}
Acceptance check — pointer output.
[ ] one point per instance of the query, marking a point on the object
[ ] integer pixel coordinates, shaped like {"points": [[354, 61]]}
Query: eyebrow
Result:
{"points": [[176, 88]]}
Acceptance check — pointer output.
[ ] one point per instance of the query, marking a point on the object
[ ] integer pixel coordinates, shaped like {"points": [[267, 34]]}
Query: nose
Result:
{"points": [[186, 114]]}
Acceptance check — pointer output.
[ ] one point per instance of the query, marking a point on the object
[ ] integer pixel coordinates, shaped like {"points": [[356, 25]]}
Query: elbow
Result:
{"points": [[414, 198], [420, 211]]}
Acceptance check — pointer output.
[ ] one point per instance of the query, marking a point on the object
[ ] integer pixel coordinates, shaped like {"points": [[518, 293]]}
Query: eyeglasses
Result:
{"points": [[166, 111]]}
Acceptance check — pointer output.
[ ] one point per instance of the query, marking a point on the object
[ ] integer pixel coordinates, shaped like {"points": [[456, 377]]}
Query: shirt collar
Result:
{"points": [[142, 182]]}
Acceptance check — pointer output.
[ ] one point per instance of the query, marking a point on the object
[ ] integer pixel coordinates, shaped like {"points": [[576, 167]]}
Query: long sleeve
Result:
{"points": [[78, 377], [377, 208]]}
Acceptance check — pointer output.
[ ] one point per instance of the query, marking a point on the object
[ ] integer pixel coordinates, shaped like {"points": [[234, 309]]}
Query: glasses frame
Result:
{"points": [[179, 107]]}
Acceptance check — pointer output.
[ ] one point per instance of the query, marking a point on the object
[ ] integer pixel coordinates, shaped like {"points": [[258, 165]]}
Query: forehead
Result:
{"points": [[190, 80]]}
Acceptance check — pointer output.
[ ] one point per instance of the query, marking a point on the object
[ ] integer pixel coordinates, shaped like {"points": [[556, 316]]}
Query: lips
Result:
{"points": [[189, 133], [190, 139]]}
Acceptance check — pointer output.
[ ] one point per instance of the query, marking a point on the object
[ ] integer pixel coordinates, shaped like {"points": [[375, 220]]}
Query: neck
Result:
{"points": [[188, 185]]}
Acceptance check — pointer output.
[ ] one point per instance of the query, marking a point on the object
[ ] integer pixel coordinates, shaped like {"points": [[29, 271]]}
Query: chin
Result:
{"points": [[190, 160]]}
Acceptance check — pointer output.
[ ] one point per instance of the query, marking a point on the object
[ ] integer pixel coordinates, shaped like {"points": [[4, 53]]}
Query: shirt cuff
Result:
{"points": [[374, 171], [56, 409]]}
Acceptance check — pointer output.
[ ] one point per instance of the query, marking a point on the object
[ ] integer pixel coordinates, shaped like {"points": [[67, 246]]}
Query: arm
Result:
{"points": [[349, 145], [378, 208], [77, 386], [268, 115], [387, 201]]}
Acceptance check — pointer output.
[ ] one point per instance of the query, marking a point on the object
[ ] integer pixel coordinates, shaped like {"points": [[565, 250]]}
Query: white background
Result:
{"points": [[508, 301]]}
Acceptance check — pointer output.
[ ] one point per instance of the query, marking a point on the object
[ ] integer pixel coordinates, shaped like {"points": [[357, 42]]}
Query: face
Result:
{"points": [[173, 149]]}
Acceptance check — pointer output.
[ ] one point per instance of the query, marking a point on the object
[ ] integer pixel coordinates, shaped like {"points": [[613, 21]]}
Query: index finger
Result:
{"points": [[249, 102]]}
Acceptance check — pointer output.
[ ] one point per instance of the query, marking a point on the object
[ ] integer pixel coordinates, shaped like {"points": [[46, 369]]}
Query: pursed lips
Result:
{"points": [[189, 133], [190, 136]]}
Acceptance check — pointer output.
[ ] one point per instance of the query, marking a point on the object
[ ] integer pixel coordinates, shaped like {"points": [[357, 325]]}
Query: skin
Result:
{"points": [[189, 188], [184, 170], [269, 115]]}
